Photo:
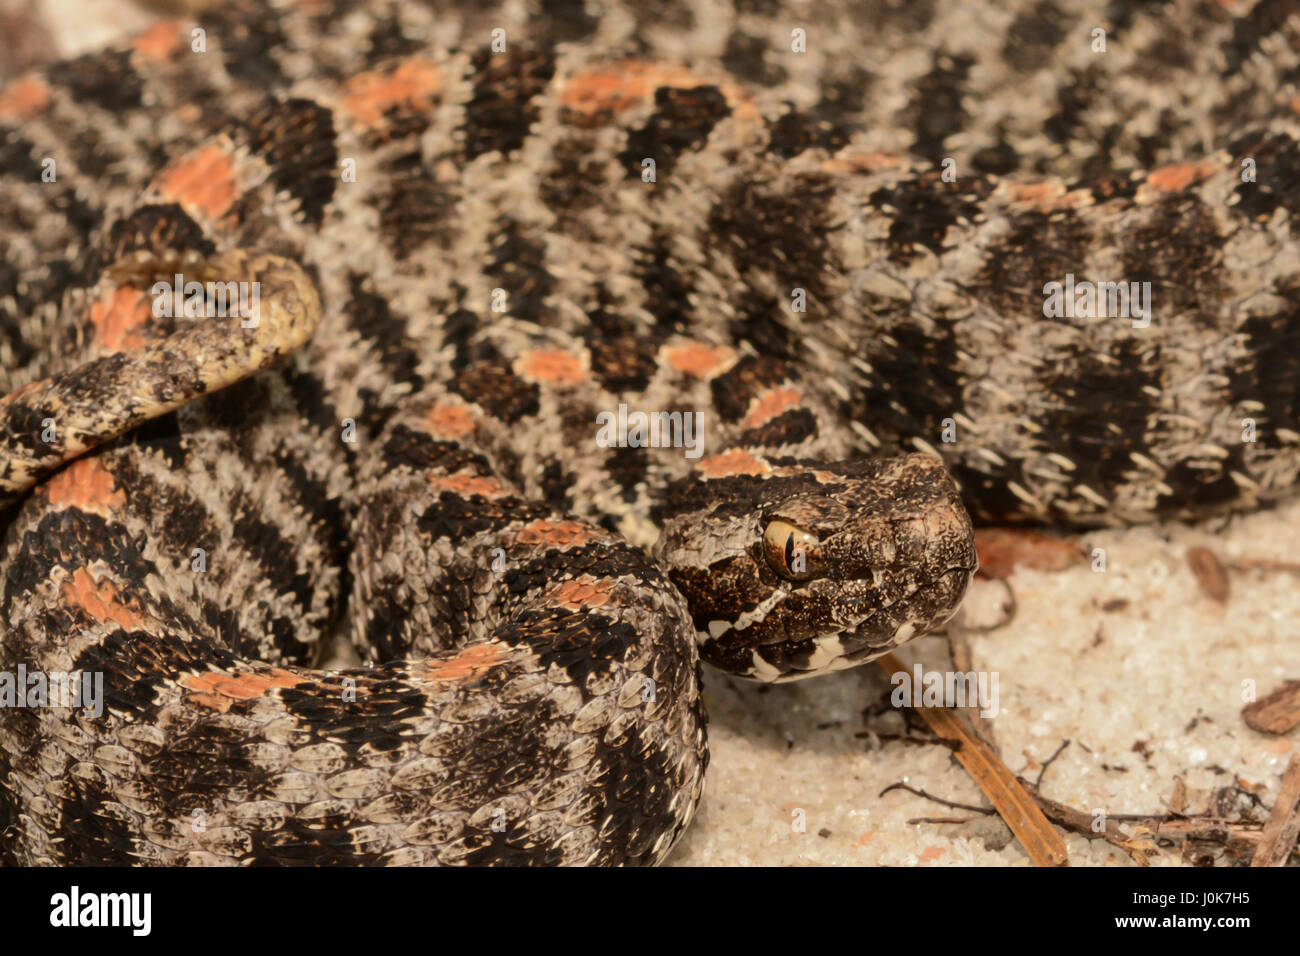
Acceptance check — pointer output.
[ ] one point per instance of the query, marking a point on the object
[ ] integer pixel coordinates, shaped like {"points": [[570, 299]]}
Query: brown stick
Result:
{"points": [[1080, 822], [1284, 825], [1264, 564], [963, 661], [1016, 807]]}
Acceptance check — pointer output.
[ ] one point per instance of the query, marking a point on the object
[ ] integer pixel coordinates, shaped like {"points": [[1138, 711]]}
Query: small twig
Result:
{"points": [[1284, 825], [1050, 760], [1176, 824], [1082, 823], [963, 661], [1016, 807], [918, 820], [1264, 564], [962, 658], [908, 739], [929, 796]]}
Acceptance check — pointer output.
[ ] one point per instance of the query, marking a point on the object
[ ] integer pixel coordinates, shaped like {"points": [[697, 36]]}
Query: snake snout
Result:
{"points": [[844, 566]]}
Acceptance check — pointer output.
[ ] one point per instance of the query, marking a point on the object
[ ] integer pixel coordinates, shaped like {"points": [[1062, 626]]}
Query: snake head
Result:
{"points": [[795, 569]]}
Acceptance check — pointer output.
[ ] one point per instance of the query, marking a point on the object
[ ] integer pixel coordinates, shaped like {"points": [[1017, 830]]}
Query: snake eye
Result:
{"points": [[792, 552]]}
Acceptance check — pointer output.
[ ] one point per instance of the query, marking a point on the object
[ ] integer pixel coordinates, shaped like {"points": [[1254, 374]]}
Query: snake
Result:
{"points": [[405, 401]]}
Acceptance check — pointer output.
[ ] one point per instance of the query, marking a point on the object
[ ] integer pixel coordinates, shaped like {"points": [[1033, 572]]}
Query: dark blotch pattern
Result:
{"points": [[456, 519], [936, 111], [621, 364], [925, 208], [628, 467], [779, 229], [1102, 410], [518, 265], [1269, 375], [794, 132], [1178, 249], [681, 122], [498, 391], [296, 138], [747, 57], [563, 21], [788, 428], [503, 106], [667, 286], [383, 330], [106, 80], [771, 326], [914, 385], [415, 209], [735, 389], [388, 40], [1033, 35], [1249, 30], [154, 228], [1036, 248], [1277, 170], [247, 35], [420, 451]]}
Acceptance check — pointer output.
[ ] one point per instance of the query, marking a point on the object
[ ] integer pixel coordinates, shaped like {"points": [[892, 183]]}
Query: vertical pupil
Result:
{"points": [[789, 550]]}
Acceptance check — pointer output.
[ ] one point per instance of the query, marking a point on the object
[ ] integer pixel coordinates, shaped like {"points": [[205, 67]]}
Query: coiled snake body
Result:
{"points": [[474, 235]]}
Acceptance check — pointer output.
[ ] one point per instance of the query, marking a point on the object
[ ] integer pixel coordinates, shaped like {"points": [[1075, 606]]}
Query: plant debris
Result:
{"points": [[1278, 713], [1016, 807], [1279, 836], [1227, 831], [1210, 573], [963, 661], [1138, 846], [1002, 550]]}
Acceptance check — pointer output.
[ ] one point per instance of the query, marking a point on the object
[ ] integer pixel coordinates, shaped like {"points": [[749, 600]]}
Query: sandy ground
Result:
{"points": [[1136, 666]]}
